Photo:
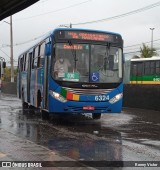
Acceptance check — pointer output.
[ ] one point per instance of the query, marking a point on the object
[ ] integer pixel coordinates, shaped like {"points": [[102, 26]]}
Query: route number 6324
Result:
{"points": [[102, 98]]}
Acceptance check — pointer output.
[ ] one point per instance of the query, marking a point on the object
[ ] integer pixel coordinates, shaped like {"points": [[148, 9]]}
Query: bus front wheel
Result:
{"points": [[24, 104], [44, 114], [96, 115]]}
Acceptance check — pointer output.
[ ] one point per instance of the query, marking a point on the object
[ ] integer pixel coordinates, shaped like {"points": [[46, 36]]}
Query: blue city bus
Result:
{"points": [[90, 81]]}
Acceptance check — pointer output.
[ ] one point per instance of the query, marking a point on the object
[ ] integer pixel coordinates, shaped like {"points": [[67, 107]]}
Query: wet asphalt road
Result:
{"points": [[133, 135]]}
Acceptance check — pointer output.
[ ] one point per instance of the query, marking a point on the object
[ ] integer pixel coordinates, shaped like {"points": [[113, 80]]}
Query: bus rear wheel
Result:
{"points": [[96, 115]]}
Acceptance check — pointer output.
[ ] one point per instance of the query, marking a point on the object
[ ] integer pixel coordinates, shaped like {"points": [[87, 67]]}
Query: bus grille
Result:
{"points": [[88, 91]]}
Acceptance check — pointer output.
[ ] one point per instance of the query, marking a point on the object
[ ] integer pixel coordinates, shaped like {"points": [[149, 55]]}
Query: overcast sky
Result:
{"points": [[46, 15]]}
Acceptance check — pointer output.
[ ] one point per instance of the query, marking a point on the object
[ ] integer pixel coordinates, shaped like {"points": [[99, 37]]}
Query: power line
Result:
{"points": [[25, 42], [142, 43], [5, 53], [130, 52], [121, 15], [28, 41], [135, 50], [61, 9]]}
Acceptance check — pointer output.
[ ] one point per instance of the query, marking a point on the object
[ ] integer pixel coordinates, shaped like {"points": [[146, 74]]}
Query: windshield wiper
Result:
{"points": [[74, 55], [106, 56]]}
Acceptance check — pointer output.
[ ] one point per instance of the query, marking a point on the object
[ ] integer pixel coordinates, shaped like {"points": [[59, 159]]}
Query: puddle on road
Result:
{"points": [[74, 136], [78, 136], [143, 127]]}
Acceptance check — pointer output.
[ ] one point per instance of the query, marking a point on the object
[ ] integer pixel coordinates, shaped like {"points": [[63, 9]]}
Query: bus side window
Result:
{"points": [[147, 68], [24, 60], [30, 60], [18, 67], [41, 55], [157, 67], [26, 63], [152, 67], [21, 64], [140, 69], [41, 61], [36, 54], [134, 70]]}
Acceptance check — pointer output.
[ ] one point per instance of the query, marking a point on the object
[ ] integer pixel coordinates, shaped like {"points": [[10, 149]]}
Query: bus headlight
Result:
{"points": [[116, 98], [57, 96]]}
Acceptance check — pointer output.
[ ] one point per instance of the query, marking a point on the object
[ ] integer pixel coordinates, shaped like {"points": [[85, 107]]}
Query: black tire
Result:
{"points": [[39, 100], [24, 104], [45, 115], [38, 109], [96, 115]]}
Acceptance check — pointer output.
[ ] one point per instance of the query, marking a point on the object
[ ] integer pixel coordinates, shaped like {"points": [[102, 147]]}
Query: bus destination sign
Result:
{"points": [[84, 35]]}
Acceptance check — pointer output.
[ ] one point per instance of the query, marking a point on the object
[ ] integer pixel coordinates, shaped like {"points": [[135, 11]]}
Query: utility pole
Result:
{"points": [[152, 37], [11, 42], [2, 66], [11, 47]]}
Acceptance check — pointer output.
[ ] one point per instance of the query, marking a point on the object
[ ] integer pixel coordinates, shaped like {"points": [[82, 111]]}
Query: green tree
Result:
{"points": [[7, 74], [147, 52]]}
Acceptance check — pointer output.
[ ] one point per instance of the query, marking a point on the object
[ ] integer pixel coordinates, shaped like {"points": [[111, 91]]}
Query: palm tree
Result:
{"points": [[135, 56], [147, 52]]}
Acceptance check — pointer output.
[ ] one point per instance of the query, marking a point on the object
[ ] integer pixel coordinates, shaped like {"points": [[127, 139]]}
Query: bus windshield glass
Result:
{"points": [[87, 63]]}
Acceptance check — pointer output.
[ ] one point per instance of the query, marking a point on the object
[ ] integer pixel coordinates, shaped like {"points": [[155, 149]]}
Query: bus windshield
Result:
{"points": [[87, 63]]}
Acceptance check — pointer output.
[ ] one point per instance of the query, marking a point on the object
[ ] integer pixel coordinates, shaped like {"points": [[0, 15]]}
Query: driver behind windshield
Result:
{"points": [[61, 66]]}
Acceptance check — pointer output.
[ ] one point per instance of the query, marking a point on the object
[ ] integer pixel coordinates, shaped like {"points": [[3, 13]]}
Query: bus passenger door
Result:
{"points": [[46, 83], [46, 73], [19, 79], [29, 75]]}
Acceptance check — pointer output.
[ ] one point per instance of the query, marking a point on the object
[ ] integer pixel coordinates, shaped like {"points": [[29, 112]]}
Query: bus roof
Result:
{"points": [[82, 29], [146, 59]]}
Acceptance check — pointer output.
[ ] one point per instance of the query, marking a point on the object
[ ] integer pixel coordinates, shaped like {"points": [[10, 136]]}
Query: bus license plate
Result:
{"points": [[88, 108]]}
